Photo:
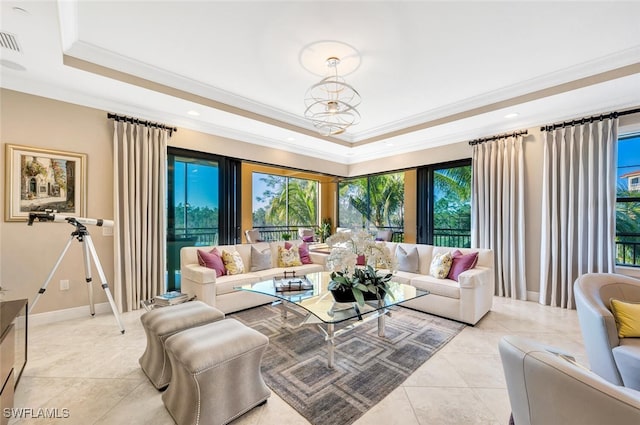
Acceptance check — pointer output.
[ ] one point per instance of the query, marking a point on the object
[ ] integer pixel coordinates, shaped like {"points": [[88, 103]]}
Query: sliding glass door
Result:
{"points": [[193, 208]]}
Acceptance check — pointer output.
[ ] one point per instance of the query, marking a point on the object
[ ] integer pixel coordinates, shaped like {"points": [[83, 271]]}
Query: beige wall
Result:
{"points": [[27, 254]]}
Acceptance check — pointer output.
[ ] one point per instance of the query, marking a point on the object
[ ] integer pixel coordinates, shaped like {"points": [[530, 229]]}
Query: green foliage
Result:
{"points": [[362, 280], [196, 217], [291, 202], [377, 200]]}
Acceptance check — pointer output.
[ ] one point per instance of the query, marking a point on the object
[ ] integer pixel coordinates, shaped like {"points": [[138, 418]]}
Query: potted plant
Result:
{"points": [[324, 231], [362, 285], [351, 281]]}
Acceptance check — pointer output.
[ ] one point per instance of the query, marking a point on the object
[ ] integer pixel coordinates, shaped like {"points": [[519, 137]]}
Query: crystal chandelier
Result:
{"points": [[331, 103]]}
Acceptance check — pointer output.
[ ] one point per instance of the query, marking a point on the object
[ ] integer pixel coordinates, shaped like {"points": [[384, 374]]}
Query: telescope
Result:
{"points": [[49, 215]]}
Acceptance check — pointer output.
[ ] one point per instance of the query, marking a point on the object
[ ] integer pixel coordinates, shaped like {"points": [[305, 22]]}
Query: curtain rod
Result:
{"points": [[143, 122], [500, 136], [584, 120]]}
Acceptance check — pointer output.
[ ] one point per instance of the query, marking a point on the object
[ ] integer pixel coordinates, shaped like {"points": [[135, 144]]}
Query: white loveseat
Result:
{"points": [[219, 292], [466, 300]]}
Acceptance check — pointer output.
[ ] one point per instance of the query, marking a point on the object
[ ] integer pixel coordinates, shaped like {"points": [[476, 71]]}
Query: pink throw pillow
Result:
{"points": [[212, 260], [461, 262], [303, 251], [361, 261], [307, 239]]}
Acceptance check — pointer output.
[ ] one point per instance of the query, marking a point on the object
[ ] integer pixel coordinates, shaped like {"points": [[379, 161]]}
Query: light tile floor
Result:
{"points": [[89, 368]]}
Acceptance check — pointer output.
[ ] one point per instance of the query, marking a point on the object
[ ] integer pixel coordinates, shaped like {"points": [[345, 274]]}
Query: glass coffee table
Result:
{"points": [[319, 308]]}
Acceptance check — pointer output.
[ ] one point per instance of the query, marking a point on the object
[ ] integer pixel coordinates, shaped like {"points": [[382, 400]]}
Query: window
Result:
{"points": [[373, 202], [628, 202], [444, 204], [281, 202]]}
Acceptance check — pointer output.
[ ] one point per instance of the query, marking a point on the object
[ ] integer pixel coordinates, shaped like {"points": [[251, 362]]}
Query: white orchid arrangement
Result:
{"points": [[347, 246]]}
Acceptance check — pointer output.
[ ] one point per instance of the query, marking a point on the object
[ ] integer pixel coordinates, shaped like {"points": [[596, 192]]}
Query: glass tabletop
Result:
{"points": [[319, 302]]}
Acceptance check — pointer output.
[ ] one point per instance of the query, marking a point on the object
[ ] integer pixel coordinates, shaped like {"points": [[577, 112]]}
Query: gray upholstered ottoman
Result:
{"points": [[161, 323], [216, 373]]}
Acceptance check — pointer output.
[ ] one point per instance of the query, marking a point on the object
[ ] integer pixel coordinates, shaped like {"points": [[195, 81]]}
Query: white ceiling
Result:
{"points": [[430, 73]]}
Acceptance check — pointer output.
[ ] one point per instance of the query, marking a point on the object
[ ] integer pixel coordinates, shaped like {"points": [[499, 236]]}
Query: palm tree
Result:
{"points": [[378, 199], [291, 201]]}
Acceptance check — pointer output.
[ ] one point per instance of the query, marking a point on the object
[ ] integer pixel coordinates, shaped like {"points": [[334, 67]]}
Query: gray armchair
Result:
{"points": [[615, 359], [546, 387]]}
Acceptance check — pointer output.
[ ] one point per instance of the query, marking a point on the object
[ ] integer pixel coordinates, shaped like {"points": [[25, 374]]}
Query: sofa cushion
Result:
{"points": [[440, 265], [288, 257], [303, 251], [461, 263], [227, 284], [212, 260], [627, 317], [407, 261], [260, 259], [443, 287], [232, 262]]}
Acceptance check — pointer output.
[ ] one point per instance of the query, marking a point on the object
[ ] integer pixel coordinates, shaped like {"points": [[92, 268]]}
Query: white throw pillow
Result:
{"points": [[440, 265], [407, 262]]}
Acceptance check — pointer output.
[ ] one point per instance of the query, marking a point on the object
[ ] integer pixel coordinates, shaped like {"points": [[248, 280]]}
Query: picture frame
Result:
{"points": [[37, 179]]}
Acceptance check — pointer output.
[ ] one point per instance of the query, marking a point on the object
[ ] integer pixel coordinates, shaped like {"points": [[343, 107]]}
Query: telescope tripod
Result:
{"points": [[81, 234]]}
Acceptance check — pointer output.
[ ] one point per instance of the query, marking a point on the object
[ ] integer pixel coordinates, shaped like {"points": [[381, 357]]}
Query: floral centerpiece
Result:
{"points": [[362, 278]]}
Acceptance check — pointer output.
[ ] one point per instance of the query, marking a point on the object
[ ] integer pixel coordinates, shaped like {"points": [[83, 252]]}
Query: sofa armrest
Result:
{"points": [[475, 277], [198, 274], [318, 258]]}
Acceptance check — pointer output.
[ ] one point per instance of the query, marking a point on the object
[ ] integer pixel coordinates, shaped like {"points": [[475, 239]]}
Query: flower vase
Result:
{"points": [[346, 296]]}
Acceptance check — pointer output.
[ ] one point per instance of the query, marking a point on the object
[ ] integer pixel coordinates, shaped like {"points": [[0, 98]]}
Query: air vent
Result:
{"points": [[9, 41]]}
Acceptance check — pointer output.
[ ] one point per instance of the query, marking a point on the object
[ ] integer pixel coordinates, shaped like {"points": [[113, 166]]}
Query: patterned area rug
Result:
{"points": [[367, 367]]}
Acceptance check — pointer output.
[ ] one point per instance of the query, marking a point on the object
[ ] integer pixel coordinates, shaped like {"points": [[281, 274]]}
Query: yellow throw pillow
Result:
{"points": [[627, 318], [288, 257], [440, 265], [232, 262]]}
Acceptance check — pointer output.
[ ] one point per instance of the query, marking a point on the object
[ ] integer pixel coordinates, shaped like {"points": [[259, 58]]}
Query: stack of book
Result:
{"points": [[171, 298]]}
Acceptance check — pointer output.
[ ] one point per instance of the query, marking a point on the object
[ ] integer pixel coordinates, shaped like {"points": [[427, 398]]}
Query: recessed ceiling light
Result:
{"points": [[194, 113], [291, 139], [512, 115], [389, 144]]}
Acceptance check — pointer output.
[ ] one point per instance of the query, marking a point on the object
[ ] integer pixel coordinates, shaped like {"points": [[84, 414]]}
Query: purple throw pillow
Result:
{"points": [[307, 239], [303, 251], [361, 261], [212, 260], [461, 262]]}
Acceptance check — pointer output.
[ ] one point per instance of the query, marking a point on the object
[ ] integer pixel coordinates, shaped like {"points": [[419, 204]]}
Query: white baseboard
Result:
{"points": [[533, 296], [66, 314]]}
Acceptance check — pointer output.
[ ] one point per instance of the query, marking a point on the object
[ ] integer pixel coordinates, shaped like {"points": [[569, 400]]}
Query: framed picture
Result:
{"points": [[39, 179]]}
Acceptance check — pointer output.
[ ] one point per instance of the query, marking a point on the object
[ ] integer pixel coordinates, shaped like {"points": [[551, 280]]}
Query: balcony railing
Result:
{"points": [[628, 249], [200, 236], [458, 238], [276, 233]]}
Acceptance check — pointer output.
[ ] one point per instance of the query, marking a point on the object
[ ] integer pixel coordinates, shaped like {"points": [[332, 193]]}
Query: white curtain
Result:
{"points": [[497, 211], [578, 207], [140, 158]]}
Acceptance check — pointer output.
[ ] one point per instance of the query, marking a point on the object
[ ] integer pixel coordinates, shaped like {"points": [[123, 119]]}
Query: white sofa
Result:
{"points": [[219, 292], [467, 300]]}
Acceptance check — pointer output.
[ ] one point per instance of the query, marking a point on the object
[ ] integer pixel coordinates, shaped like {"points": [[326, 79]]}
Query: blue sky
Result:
{"points": [[202, 184], [628, 156]]}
